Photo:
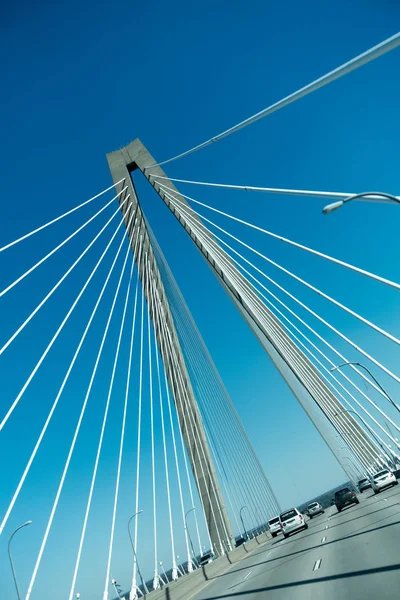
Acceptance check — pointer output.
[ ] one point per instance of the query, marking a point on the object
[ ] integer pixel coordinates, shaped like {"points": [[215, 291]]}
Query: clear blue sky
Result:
{"points": [[79, 82]]}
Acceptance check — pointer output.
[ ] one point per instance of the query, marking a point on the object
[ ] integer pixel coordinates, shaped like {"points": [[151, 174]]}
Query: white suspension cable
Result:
{"points": [[206, 360], [156, 583], [69, 212], [295, 337], [55, 336], [59, 282], [139, 436], [42, 260], [174, 383], [282, 191], [322, 400], [292, 325], [60, 391], [320, 318], [178, 471], [174, 445], [100, 444], [360, 60], [341, 263], [341, 356], [317, 316], [72, 447], [296, 277], [171, 528], [123, 425], [193, 425]]}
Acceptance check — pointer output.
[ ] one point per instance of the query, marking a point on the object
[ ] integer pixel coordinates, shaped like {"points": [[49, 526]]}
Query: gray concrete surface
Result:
{"points": [[352, 555]]}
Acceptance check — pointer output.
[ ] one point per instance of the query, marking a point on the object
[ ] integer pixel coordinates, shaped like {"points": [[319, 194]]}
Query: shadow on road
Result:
{"points": [[386, 569], [299, 552]]}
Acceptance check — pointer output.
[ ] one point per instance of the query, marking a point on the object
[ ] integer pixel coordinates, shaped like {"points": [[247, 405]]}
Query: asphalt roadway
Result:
{"points": [[353, 555]]}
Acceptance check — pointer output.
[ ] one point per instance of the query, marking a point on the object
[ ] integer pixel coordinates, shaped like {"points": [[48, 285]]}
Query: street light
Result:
{"points": [[374, 378], [370, 195], [10, 556], [187, 529], [116, 587], [163, 570], [369, 428], [134, 553], [241, 518]]}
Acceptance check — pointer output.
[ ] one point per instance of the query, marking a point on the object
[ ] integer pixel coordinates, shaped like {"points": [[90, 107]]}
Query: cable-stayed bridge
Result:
{"points": [[149, 392]]}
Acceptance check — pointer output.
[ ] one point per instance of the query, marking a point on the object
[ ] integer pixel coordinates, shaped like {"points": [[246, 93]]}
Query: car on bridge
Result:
{"points": [[364, 484], [292, 520], [313, 509], [345, 497], [206, 558], [274, 526], [239, 541], [382, 480]]}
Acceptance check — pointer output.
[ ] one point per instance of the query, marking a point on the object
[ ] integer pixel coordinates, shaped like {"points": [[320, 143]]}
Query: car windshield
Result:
{"points": [[206, 556], [385, 472], [363, 481], [313, 505], [273, 521], [288, 514], [342, 492]]}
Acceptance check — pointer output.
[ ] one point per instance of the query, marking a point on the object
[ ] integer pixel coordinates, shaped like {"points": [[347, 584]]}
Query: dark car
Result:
{"points": [[240, 541], [206, 558], [364, 484], [345, 497]]}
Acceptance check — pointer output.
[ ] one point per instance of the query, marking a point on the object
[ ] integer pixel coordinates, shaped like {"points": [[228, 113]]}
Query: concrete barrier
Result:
{"points": [[191, 583]]}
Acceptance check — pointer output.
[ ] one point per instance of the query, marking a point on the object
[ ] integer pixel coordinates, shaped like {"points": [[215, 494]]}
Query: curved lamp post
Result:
{"points": [[187, 529], [241, 518], [372, 196], [10, 556], [134, 553], [392, 402]]}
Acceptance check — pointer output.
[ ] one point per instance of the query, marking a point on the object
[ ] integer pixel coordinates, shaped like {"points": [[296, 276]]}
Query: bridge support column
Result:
{"points": [[121, 163], [297, 370]]}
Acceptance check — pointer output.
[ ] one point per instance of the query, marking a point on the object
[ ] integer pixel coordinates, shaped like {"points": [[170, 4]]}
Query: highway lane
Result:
{"points": [[353, 554]]}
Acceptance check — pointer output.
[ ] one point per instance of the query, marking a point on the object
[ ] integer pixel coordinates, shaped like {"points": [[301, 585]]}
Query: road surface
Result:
{"points": [[353, 555]]}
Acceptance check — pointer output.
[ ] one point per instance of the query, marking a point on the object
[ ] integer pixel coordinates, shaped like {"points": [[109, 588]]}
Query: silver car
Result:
{"points": [[314, 509], [274, 526]]}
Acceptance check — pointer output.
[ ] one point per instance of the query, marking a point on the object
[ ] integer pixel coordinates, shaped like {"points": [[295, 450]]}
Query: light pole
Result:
{"points": [[187, 529], [134, 552], [10, 556], [370, 430], [116, 587], [163, 570], [241, 518], [345, 364], [370, 195]]}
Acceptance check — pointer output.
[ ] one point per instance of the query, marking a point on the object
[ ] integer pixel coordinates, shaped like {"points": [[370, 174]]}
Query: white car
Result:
{"points": [[383, 479], [314, 508], [292, 520], [274, 526]]}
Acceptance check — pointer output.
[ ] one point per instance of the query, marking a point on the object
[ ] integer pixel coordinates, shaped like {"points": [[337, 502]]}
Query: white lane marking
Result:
{"points": [[323, 540], [268, 554], [248, 575], [317, 564]]}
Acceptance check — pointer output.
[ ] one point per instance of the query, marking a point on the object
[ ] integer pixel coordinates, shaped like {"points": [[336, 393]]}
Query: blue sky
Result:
{"points": [[81, 82]]}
